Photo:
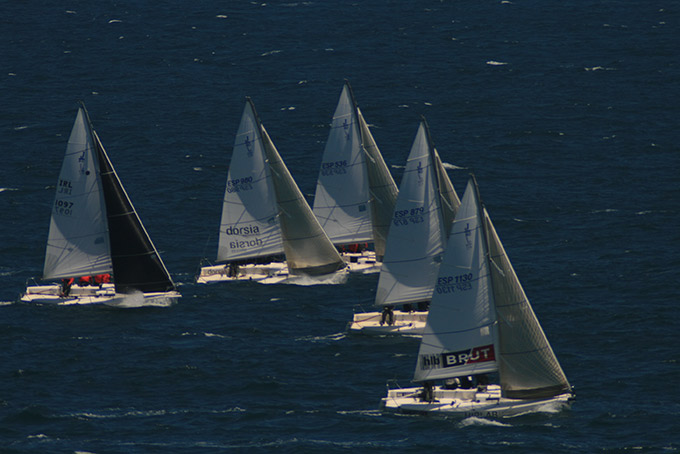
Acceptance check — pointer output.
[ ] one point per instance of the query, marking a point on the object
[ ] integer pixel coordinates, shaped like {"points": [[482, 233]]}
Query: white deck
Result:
{"points": [[361, 262], [103, 294], [469, 402], [411, 323]]}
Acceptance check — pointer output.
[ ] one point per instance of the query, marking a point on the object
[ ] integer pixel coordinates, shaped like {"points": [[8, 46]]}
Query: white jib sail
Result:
{"points": [[460, 336], [416, 239], [341, 202], [78, 240], [249, 227], [382, 189]]}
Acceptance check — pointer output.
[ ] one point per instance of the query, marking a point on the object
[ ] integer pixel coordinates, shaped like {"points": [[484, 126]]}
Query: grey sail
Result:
{"points": [[137, 266], [307, 247], [382, 188], [527, 365]]}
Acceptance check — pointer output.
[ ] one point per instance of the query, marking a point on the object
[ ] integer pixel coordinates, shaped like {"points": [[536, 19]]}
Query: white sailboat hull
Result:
{"points": [[361, 262], [269, 273], [409, 323], [104, 294], [465, 403], [274, 271]]}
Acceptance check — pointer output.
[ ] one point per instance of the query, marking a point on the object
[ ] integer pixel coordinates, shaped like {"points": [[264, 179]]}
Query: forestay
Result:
{"points": [[78, 241], [341, 201], [460, 334], [249, 227]]}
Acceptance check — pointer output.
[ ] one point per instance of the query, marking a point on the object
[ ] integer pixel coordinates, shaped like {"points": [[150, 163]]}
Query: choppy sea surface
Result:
{"points": [[567, 112]]}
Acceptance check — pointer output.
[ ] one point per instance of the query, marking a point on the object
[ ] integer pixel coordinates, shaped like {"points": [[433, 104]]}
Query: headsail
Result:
{"points": [[341, 201], [382, 188], [308, 249], [417, 236], [460, 335], [136, 262], [528, 366], [78, 241], [249, 227]]}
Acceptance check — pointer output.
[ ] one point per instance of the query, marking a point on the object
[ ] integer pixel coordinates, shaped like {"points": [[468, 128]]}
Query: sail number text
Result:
{"points": [[406, 217], [64, 187], [239, 184], [334, 168], [63, 207], [451, 284]]}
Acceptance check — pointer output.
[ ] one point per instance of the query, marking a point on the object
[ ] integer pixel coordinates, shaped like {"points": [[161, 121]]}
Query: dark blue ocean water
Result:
{"points": [[566, 111]]}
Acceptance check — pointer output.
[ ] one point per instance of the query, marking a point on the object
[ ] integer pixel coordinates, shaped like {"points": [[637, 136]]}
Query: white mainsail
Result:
{"points": [[249, 227], [78, 240], [480, 320], [460, 334], [417, 236], [341, 201]]}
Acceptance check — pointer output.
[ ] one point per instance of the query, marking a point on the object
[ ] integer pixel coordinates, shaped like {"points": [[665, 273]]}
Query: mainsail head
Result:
{"points": [[78, 240]]}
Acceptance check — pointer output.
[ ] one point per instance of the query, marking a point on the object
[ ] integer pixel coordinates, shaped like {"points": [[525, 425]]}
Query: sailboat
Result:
{"points": [[355, 192], [480, 324], [95, 234], [268, 232], [416, 241]]}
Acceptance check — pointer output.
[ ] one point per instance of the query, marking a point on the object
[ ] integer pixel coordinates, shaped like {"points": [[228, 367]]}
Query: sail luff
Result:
{"points": [[249, 225], [137, 265], [307, 247], [78, 240]]}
